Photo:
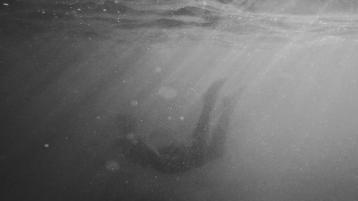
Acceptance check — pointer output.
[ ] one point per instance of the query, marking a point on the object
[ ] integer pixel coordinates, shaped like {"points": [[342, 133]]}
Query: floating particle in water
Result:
{"points": [[170, 108], [5, 4], [3, 157], [131, 137], [98, 117], [134, 103], [181, 118], [158, 70], [104, 10], [43, 12], [170, 118], [112, 165], [46, 145], [167, 92]]}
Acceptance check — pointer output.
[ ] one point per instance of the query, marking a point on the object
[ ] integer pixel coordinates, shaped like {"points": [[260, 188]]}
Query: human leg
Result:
{"points": [[216, 146], [201, 132]]}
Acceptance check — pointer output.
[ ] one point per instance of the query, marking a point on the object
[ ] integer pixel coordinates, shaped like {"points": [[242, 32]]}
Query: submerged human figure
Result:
{"points": [[180, 158]]}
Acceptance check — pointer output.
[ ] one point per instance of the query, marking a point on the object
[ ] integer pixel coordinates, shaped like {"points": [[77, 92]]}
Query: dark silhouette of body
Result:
{"points": [[180, 158]]}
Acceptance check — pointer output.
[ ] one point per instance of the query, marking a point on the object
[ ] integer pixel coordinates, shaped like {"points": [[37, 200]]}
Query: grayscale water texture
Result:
{"points": [[77, 76]]}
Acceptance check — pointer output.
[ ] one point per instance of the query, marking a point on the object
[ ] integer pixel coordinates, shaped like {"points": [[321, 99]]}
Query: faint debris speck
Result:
{"points": [[134, 103], [167, 92], [131, 137], [158, 70], [46, 145], [112, 165], [3, 157]]}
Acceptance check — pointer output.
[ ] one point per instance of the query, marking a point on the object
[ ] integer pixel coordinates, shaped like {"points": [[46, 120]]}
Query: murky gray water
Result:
{"points": [[70, 70]]}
